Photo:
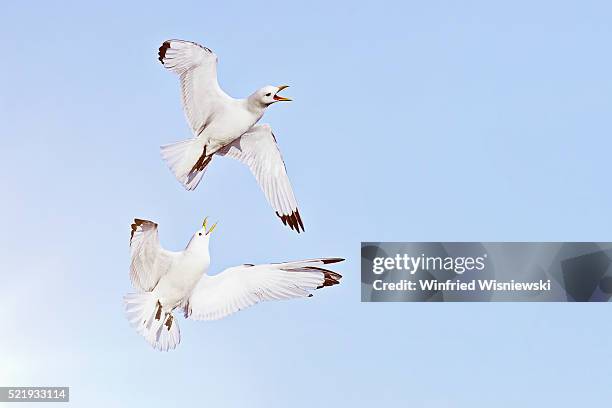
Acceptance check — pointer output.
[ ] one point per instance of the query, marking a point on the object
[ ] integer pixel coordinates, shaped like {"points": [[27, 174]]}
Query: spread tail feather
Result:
{"points": [[187, 160], [146, 315]]}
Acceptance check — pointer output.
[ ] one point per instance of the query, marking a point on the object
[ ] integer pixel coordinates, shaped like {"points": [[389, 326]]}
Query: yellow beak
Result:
{"points": [[281, 98], [211, 228]]}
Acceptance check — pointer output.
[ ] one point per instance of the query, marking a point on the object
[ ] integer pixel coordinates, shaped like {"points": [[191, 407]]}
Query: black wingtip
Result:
{"points": [[332, 260], [299, 219], [138, 222], [330, 279], [293, 220], [162, 51]]}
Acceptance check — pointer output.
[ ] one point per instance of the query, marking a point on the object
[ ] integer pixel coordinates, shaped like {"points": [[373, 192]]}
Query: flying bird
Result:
{"points": [[167, 280], [225, 126]]}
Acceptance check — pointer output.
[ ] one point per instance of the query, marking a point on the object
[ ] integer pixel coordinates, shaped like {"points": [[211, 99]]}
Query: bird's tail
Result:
{"points": [[147, 316], [187, 160]]}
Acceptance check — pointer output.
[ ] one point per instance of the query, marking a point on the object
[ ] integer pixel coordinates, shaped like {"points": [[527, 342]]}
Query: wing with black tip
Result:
{"points": [[257, 149], [234, 289], [149, 260]]}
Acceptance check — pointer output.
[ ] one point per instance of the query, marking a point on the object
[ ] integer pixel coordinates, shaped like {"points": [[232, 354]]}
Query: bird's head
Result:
{"points": [[268, 95], [201, 237]]}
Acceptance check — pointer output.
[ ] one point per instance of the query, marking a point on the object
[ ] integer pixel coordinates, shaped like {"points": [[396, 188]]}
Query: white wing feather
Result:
{"points": [[258, 149], [149, 260], [234, 289], [196, 66]]}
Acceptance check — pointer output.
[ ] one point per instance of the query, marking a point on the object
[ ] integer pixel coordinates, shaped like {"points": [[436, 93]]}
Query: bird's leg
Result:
{"points": [[169, 320], [159, 310], [199, 165]]}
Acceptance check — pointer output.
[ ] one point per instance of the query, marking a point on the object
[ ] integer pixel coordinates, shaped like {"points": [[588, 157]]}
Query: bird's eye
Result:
{"points": [[200, 234], [269, 93]]}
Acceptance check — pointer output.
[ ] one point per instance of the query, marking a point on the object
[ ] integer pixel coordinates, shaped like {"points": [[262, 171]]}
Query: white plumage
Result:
{"points": [[224, 126], [167, 280]]}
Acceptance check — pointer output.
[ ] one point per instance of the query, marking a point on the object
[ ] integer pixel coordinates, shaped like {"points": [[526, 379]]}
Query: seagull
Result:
{"points": [[167, 280], [225, 126]]}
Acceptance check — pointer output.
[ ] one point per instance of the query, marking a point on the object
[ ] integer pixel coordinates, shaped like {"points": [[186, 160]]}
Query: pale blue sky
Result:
{"points": [[412, 121]]}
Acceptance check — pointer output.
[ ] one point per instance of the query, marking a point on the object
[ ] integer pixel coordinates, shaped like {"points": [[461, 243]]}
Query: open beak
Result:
{"points": [[281, 98], [211, 228]]}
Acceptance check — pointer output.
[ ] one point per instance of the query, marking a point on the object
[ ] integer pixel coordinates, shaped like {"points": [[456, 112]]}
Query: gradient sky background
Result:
{"points": [[412, 121]]}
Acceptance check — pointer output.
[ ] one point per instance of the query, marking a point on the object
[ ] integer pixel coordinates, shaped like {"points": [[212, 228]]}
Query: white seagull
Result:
{"points": [[225, 126], [167, 280]]}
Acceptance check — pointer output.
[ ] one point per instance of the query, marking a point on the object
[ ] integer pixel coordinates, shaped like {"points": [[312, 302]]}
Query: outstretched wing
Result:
{"points": [[234, 289], [257, 149], [197, 68], [149, 260]]}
